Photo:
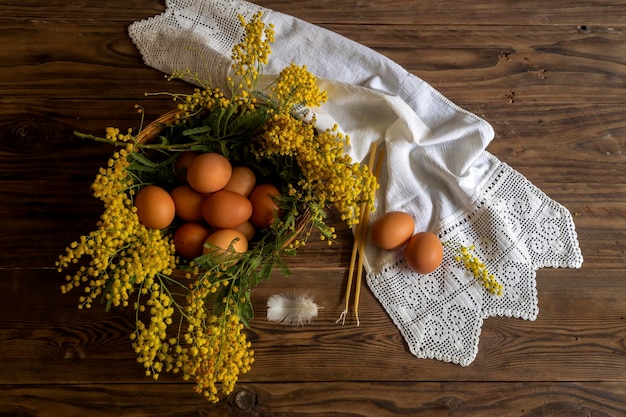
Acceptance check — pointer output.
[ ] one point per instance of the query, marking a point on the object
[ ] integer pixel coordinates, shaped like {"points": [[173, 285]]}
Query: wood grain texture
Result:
{"points": [[381, 399], [578, 336], [549, 77], [532, 64]]}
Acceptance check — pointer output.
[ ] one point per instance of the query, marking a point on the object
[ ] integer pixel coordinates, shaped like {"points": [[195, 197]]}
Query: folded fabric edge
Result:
{"points": [[418, 350], [134, 33], [576, 259]]}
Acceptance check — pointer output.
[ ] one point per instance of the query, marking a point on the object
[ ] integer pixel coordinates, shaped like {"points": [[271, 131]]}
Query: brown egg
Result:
{"points": [[226, 209], [209, 172], [424, 252], [392, 230], [189, 239], [264, 208], [219, 242], [155, 207], [188, 203], [242, 180], [185, 158], [247, 228]]}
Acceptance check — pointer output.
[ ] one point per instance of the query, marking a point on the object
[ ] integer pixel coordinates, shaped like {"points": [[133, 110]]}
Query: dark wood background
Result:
{"points": [[549, 76]]}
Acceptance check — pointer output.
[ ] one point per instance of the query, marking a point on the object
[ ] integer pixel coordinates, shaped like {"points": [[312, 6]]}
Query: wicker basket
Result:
{"points": [[150, 131]]}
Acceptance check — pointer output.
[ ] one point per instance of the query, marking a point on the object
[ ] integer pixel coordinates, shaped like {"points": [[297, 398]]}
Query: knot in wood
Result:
{"points": [[452, 403], [245, 400], [24, 136]]}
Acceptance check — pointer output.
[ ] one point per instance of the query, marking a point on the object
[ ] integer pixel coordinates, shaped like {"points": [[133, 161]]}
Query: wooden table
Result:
{"points": [[549, 76]]}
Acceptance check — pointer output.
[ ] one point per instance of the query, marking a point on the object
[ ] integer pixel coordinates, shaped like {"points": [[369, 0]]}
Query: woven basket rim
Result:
{"points": [[156, 126]]}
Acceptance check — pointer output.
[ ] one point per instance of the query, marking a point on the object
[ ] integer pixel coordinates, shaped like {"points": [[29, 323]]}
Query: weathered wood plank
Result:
{"points": [[394, 12], [72, 60], [578, 336], [492, 12], [469, 64], [93, 10], [379, 399], [505, 65]]}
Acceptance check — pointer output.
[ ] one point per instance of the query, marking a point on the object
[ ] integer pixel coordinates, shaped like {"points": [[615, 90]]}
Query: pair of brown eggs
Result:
{"points": [[423, 251]]}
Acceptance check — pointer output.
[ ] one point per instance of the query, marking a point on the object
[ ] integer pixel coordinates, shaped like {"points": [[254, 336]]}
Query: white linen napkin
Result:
{"points": [[436, 169]]}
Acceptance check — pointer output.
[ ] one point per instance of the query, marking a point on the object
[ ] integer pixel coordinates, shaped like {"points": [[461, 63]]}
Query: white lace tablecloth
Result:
{"points": [[436, 169]]}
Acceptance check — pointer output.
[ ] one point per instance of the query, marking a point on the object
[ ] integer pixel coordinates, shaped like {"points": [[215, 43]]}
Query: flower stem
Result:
{"points": [[121, 143]]}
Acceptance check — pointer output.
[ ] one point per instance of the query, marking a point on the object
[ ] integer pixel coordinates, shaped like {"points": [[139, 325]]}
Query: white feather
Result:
{"points": [[293, 310]]}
